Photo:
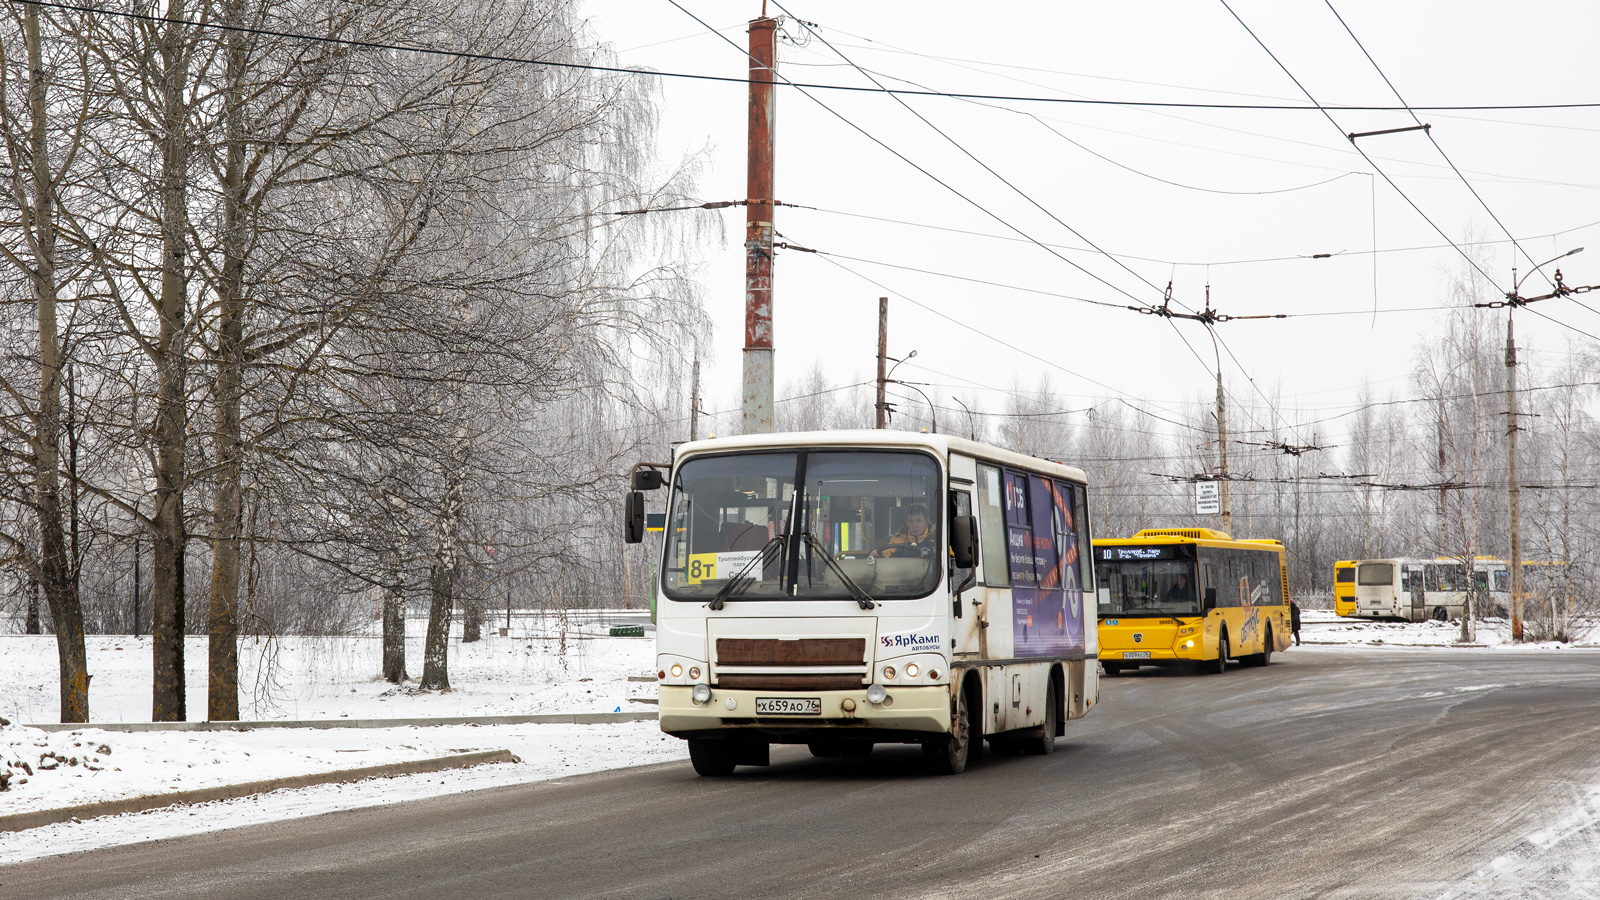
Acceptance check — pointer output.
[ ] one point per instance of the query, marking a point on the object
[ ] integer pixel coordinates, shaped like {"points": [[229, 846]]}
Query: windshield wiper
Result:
{"points": [[861, 597], [743, 578]]}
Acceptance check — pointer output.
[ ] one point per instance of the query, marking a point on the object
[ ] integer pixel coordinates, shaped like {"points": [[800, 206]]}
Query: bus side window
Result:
{"points": [[961, 505], [992, 527]]}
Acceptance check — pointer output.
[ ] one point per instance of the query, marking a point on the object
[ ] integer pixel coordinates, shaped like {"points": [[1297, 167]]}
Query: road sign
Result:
{"points": [[1206, 499]]}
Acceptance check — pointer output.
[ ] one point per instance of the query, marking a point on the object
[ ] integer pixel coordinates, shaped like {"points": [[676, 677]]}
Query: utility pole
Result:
{"points": [[1222, 445], [1222, 425], [1513, 491], [758, 229], [694, 400], [883, 361]]}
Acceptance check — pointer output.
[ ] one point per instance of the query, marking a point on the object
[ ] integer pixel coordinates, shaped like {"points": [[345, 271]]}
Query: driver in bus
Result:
{"points": [[1180, 592], [914, 540]]}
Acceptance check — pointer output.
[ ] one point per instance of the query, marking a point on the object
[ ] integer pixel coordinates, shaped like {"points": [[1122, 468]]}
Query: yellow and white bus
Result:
{"points": [[1179, 596], [845, 588], [1417, 589], [1344, 587]]}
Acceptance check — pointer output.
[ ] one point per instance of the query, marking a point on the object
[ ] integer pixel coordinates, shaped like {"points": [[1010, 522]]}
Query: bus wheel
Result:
{"points": [[949, 756], [855, 748], [1440, 614], [711, 758], [1265, 659], [824, 749], [1043, 742], [1112, 669], [1220, 665]]}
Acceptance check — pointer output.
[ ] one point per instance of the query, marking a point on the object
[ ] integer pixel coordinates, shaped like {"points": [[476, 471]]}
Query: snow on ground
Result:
{"points": [[1324, 627], [536, 669], [183, 761]]}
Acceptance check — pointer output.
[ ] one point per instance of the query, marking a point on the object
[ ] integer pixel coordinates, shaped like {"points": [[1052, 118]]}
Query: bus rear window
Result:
{"points": [[1375, 573], [1345, 575]]}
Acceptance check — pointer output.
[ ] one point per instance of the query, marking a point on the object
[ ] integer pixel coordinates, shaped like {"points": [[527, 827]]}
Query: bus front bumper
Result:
{"points": [[922, 710]]}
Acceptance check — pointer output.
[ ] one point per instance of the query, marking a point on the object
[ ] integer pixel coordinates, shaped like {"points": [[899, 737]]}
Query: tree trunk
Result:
{"points": [[436, 649], [168, 534], [55, 562], [30, 622], [441, 585], [222, 696], [471, 620], [394, 617]]}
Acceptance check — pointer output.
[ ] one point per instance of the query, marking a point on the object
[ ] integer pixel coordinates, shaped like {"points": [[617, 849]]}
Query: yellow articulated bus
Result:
{"points": [[1344, 587], [1190, 596]]}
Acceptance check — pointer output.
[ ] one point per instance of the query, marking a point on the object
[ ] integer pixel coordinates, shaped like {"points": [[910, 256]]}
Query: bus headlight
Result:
{"points": [[701, 694], [876, 694]]}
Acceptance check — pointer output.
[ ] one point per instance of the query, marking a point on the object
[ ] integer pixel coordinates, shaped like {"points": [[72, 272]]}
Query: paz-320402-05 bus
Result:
{"points": [[841, 589]]}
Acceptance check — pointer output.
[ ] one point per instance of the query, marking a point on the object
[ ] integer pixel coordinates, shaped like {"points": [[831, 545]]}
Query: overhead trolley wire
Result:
{"points": [[1428, 133], [936, 179], [727, 79]]}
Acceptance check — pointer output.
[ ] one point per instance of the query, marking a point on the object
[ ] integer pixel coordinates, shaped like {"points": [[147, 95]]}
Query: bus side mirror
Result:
{"points": [[647, 479], [964, 541], [1210, 599], [633, 518]]}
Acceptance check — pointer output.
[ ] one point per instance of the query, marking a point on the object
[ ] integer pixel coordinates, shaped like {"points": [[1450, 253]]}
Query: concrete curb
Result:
{"points": [[609, 718], [37, 818]]}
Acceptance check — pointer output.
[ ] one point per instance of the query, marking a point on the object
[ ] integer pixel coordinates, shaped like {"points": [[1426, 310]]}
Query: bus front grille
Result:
{"points": [[807, 664]]}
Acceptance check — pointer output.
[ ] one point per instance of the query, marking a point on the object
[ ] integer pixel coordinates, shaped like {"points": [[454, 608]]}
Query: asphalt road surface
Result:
{"points": [[1331, 774]]}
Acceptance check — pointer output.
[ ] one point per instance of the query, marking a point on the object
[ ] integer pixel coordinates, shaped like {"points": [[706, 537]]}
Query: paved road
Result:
{"points": [[1348, 774]]}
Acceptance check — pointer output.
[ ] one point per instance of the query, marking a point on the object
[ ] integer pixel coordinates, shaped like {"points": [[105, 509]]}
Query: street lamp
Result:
{"points": [[883, 406], [1513, 295], [972, 432], [934, 413]]}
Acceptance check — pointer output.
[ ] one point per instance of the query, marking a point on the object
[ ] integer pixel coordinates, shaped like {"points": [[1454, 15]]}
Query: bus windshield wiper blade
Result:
{"points": [[744, 578], [861, 597]]}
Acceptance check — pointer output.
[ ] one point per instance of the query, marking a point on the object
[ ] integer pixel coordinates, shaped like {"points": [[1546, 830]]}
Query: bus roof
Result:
{"points": [[941, 445], [1209, 537]]}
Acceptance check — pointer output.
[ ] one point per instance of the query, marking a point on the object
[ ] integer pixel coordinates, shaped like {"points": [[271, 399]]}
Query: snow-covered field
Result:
{"points": [[1323, 627], [310, 678], [532, 671]]}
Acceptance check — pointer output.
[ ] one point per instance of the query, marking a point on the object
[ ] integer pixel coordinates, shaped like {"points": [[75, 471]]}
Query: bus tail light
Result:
{"points": [[911, 670], [888, 673], [677, 670]]}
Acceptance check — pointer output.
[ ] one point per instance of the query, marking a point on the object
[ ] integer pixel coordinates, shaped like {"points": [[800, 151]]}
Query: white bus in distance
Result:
{"points": [[1418, 589], [846, 588]]}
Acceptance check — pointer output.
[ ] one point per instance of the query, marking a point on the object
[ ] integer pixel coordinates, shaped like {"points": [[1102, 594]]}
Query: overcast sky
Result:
{"points": [[1241, 199]]}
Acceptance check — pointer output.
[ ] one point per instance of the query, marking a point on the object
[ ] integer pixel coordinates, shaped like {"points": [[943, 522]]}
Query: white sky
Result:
{"points": [[1535, 170]]}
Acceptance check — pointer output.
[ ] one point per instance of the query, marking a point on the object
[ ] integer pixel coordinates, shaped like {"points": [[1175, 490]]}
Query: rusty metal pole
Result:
{"points": [[883, 360], [758, 230]]}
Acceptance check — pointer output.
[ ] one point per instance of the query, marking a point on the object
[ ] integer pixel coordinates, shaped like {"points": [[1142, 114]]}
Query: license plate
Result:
{"points": [[1136, 654], [788, 706]]}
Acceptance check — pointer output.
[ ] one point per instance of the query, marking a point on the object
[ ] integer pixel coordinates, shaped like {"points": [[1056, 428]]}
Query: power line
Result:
{"points": [[1428, 132], [1262, 44], [625, 70], [936, 179]]}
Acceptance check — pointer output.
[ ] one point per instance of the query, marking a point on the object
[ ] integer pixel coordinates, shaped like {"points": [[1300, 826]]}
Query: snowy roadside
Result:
{"points": [[580, 671], [171, 761], [1324, 628]]}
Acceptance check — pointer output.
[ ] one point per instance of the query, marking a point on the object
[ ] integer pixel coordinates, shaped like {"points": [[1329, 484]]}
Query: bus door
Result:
{"points": [[1411, 587]]}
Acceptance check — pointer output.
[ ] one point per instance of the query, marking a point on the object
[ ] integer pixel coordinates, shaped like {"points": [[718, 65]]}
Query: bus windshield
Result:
{"points": [[822, 524], [1158, 587]]}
